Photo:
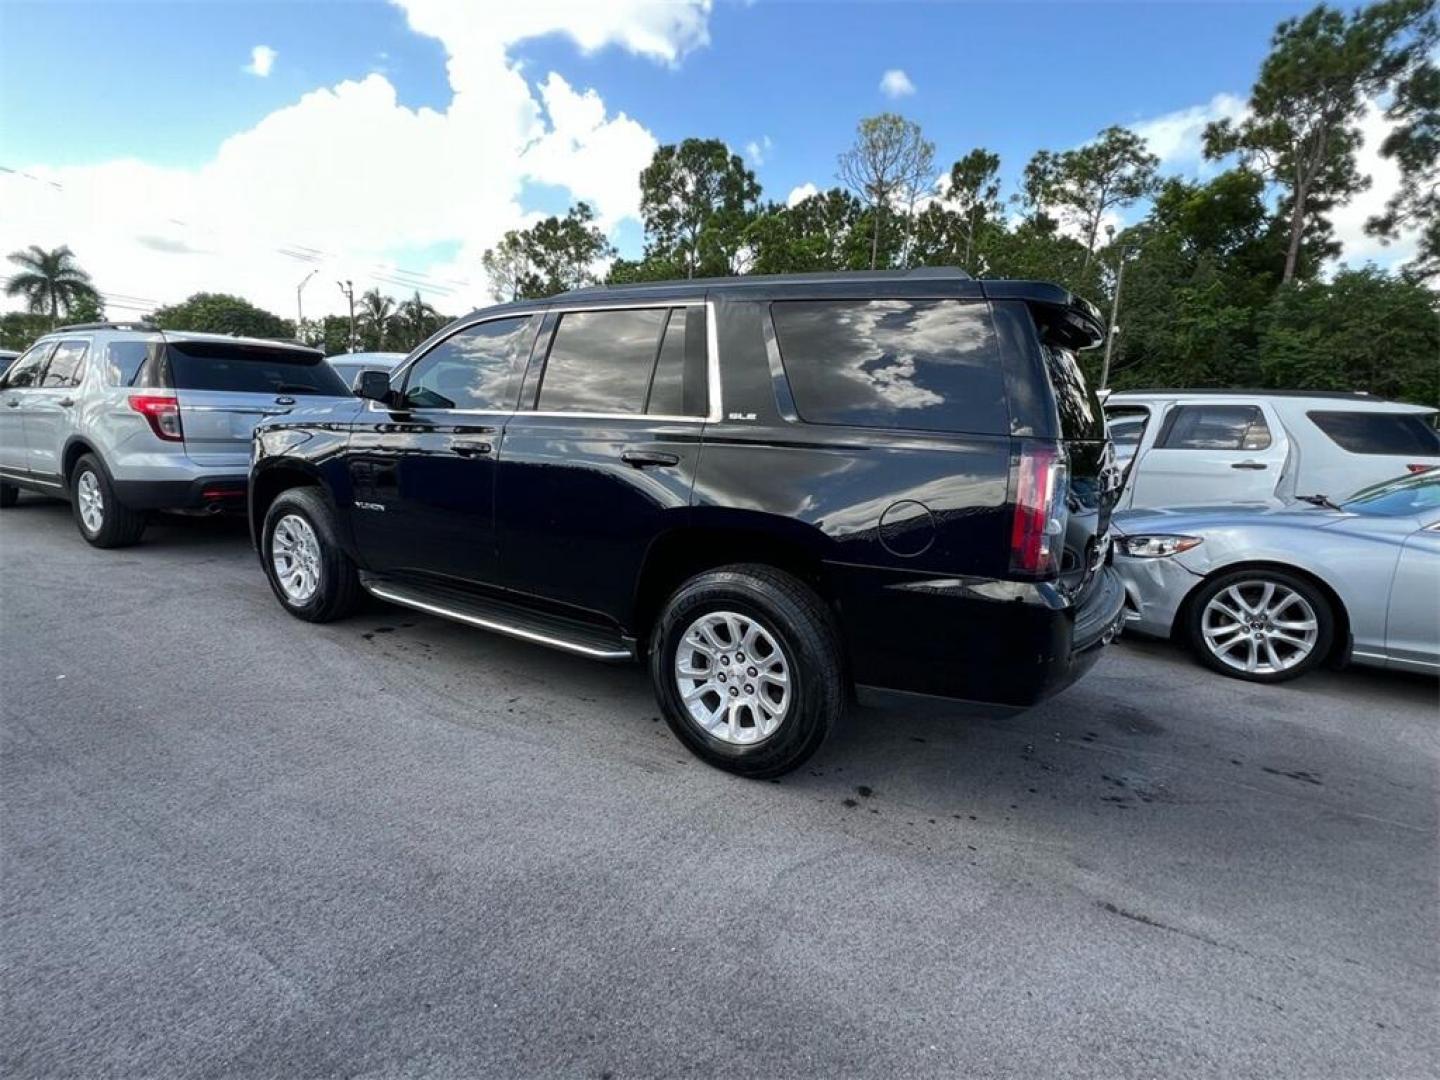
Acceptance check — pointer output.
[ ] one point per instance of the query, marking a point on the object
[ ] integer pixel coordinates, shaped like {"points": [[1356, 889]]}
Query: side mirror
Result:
{"points": [[373, 386]]}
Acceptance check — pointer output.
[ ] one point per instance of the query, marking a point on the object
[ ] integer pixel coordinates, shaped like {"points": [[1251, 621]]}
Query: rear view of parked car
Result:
{"points": [[1193, 448], [121, 419], [778, 492]]}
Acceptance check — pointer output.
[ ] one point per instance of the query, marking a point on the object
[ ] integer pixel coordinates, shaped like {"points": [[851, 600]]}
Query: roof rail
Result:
{"points": [[107, 326]]}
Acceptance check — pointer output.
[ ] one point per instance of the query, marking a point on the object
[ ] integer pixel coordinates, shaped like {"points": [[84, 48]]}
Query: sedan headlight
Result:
{"points": [[1156, 546]]}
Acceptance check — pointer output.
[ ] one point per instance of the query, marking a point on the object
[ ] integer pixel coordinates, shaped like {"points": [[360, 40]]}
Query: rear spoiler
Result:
{"points": [[1063, 317]]}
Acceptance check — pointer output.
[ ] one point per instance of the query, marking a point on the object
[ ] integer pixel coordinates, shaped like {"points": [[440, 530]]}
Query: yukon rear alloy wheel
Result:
{"points": [[1261, 625], [747, 669], [733, 678]]}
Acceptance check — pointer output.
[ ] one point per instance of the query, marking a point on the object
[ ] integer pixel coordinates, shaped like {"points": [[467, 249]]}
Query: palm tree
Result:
{"points": [[376, 313], [418, 316], [50, 281]]}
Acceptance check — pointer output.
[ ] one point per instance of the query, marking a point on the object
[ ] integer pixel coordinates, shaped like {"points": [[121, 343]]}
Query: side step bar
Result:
{"points": [[541, 628]]}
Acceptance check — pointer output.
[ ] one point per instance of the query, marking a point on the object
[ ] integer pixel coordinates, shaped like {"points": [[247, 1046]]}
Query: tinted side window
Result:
{"points": [[125, 359], [1379, 433], [926, 364], [66, 364], [1215, 427], [1126, 425], [475, 369], [25, 370], [667, 388], [601, 361]]}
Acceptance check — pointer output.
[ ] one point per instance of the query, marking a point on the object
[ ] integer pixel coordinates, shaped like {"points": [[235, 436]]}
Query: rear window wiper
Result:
{"points": [[1320, 500]]}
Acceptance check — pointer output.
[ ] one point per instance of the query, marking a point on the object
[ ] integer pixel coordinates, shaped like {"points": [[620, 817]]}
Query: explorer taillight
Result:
{"points": [[163, 412]]}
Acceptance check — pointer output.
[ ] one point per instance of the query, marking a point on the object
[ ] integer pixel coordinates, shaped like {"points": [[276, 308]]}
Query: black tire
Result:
{"points": [[120, 526], [337, 592], [9, 496], [1247, 582], [804, 629]]}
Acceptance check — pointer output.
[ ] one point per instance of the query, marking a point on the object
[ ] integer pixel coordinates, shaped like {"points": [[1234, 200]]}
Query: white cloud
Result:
{"points": [[1349, 220], [758, 151], [262, 61], [896, 84], [350, 180], [1178, 138], [800, 194]]}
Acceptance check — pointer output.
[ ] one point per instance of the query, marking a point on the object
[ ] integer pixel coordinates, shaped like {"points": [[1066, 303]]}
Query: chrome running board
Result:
{"points": [[509, 619]]}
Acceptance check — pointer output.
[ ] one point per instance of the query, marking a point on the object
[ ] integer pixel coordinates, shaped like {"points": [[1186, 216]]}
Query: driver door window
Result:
{"points": [[476, 369]]}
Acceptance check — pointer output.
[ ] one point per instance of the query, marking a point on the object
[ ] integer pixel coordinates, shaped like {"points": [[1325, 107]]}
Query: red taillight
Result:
{"points": [[1037, 533], [1418, 468], [163, 412]]}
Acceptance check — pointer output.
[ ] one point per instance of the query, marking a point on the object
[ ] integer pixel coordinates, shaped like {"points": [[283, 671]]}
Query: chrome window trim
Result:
{"points": [[712, 364], [401, 370]]}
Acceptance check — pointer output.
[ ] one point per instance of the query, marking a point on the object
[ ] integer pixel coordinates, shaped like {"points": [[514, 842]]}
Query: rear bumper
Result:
{"points": [[225, 492], [996, 646]]}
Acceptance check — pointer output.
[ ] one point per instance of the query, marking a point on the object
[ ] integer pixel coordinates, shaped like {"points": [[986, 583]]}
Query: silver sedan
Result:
{"points": [[1266, 595]]}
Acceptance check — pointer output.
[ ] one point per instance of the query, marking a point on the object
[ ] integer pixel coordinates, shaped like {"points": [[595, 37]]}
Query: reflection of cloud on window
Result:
{"points": [[927, 364]]}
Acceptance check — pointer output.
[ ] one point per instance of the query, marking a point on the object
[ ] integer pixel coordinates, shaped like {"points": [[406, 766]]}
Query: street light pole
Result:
{"points": [[1114, 329], [299, 303], [348, 288]]}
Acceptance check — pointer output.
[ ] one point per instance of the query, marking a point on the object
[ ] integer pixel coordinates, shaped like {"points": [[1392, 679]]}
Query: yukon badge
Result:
{"points": [[369, 506]]}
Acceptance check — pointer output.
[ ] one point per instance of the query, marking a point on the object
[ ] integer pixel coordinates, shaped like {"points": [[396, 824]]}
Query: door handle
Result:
{"points": [[66, 402], [1249, 465], [471, 449], [642, 458], [13, 403]]}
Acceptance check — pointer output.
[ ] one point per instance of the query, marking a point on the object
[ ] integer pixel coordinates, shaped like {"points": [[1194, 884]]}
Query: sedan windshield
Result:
{"points": [[1412, 495]]}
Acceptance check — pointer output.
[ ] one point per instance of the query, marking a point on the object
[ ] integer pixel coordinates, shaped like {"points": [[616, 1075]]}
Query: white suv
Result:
{"points": [[1198, 447], [121, 419]]}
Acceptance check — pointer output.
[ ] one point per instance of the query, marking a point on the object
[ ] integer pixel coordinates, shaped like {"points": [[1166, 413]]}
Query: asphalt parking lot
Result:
{"points": [[235, 844]]}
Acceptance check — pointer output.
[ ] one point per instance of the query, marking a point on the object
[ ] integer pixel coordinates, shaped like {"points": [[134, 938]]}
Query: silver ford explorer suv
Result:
{"points": [[122, 419]]}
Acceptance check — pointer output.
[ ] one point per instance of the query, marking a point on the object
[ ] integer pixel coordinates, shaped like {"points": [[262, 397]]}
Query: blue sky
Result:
{"points": [[83, 85]]}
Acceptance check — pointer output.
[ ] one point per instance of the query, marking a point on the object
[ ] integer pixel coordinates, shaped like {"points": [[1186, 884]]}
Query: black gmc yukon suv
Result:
{"points": [[778, 491]]}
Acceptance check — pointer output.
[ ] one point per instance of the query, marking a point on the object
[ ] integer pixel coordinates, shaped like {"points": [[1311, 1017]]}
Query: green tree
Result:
{"points": [[1205, 261], [1414, 144], [1085, 185], [1302, 129], [415, 320], [51, 282], [890, 164], [221, 313], [827, 231], [974, 196], [553, 256], [375, 313], [1364, 330], [696, 199]]}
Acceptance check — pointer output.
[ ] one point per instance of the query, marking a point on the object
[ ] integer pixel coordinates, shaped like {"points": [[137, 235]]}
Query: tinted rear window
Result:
{"points": [[1380, 433], [255, 369], [602, 361], [1081, 416], [931, 365]]}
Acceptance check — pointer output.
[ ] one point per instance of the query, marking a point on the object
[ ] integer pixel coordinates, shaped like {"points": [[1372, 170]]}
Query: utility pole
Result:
{"points": [[299, 304], [1114, 312], [348, 288]]}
